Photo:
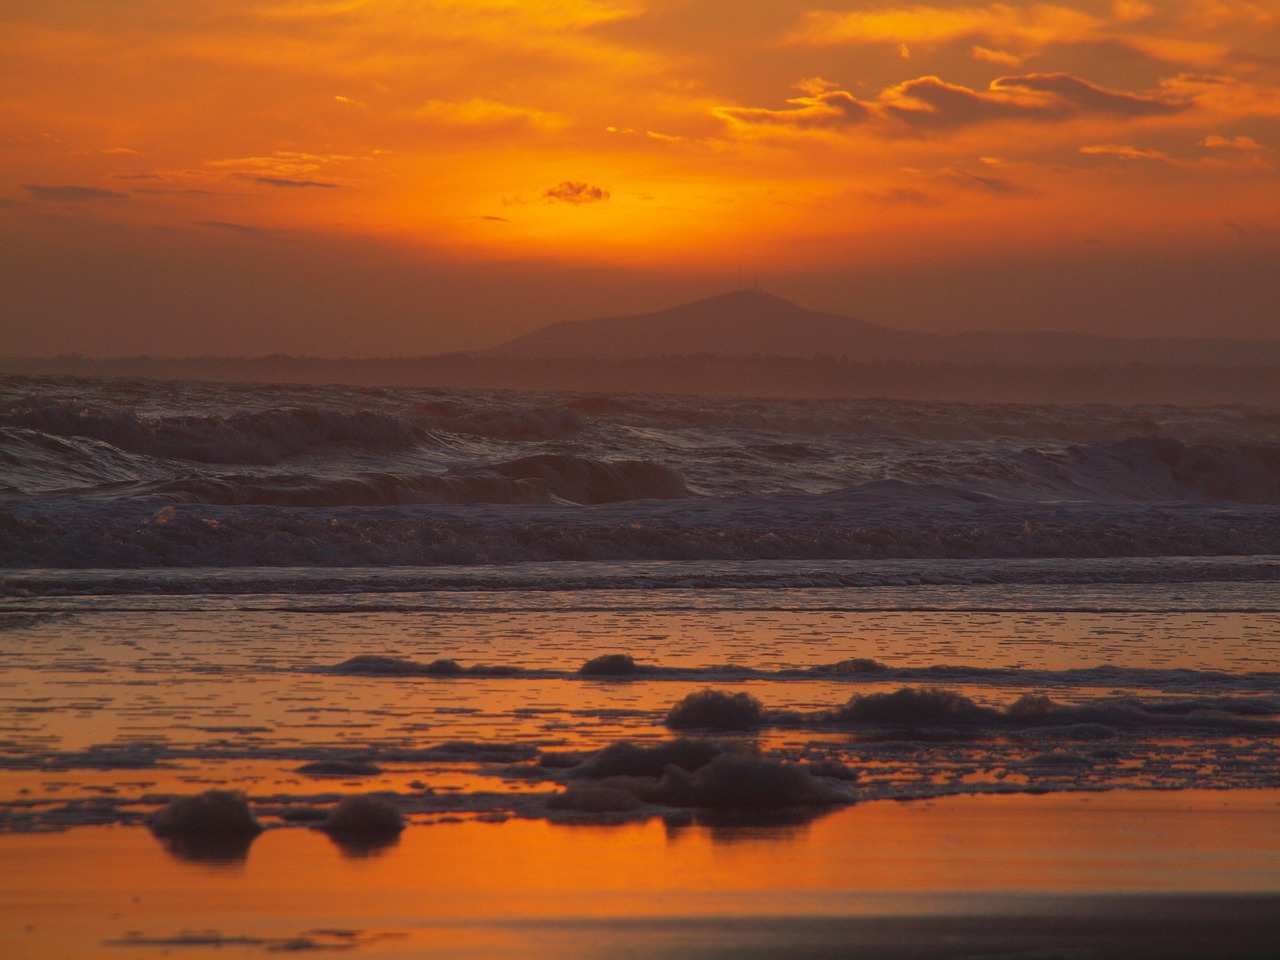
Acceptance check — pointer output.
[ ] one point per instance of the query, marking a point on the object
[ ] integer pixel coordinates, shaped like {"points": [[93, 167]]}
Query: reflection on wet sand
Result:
{"points": [[1057, 875]]}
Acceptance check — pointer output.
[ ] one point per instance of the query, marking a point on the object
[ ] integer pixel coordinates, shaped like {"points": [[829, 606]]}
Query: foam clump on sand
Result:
{"points": [[340, 768], [214, 814], [364, 816], [587, 797], [936, 706], [690, 773], [1034, 714], [625, 758], [383, 665], [852, 667], [609, 665], [913, 705], [736, 780], [716, 710]]}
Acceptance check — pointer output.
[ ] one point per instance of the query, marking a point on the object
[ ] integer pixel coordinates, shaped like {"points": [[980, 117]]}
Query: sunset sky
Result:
{"points": [[373, 177]]}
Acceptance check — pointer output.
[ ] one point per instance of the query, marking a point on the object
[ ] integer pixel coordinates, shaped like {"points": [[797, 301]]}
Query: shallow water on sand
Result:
{"points": [[126, 697]]}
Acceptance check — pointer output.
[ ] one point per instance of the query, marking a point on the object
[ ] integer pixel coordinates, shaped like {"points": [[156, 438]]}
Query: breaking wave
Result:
{"points": [[134, 474], [248, 437], [1143, 468], [931, 421], [133, 534], [545, 479], [500, 421], [35, 462]]}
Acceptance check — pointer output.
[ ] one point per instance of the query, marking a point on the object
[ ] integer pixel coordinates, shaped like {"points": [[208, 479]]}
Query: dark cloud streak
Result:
{"points": [[71, 193], [235, 227], [949, 105], [290, 184], [988, 184], [575, 192], [1088, 98]]}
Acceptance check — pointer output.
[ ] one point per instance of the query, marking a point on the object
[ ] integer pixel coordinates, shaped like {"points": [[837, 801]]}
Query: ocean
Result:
{"points": [[656, 662]]}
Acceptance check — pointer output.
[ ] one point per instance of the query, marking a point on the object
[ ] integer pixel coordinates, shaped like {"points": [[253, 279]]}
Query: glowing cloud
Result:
{"points": [[1000, 57], [1215, 142], [1122, 152], [932, 103], [824, 107]]}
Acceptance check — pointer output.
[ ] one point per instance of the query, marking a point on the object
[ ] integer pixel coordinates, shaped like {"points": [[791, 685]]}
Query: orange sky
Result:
{"points": [[370, 177]]}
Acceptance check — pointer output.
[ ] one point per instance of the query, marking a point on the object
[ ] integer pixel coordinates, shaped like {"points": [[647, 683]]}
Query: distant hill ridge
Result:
{"points": [[749, 322]]}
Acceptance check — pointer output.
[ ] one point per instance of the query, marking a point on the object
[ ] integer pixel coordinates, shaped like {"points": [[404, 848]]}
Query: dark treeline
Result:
{"points": [[820, 376]]}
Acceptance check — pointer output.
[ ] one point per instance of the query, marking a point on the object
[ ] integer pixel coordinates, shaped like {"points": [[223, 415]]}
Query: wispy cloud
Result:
{"points": [[1002, 57], [1122, 151], [284, 168], [174, 192], [984, 183], [904, 196], [482, 113]]}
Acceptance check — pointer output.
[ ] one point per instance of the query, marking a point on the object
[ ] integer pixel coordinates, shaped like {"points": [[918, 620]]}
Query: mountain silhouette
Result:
{"points": [[751, 323]]}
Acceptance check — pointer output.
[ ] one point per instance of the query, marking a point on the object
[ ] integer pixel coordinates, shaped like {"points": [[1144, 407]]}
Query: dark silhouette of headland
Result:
{"points": [[750, 343], [745, 323]]}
